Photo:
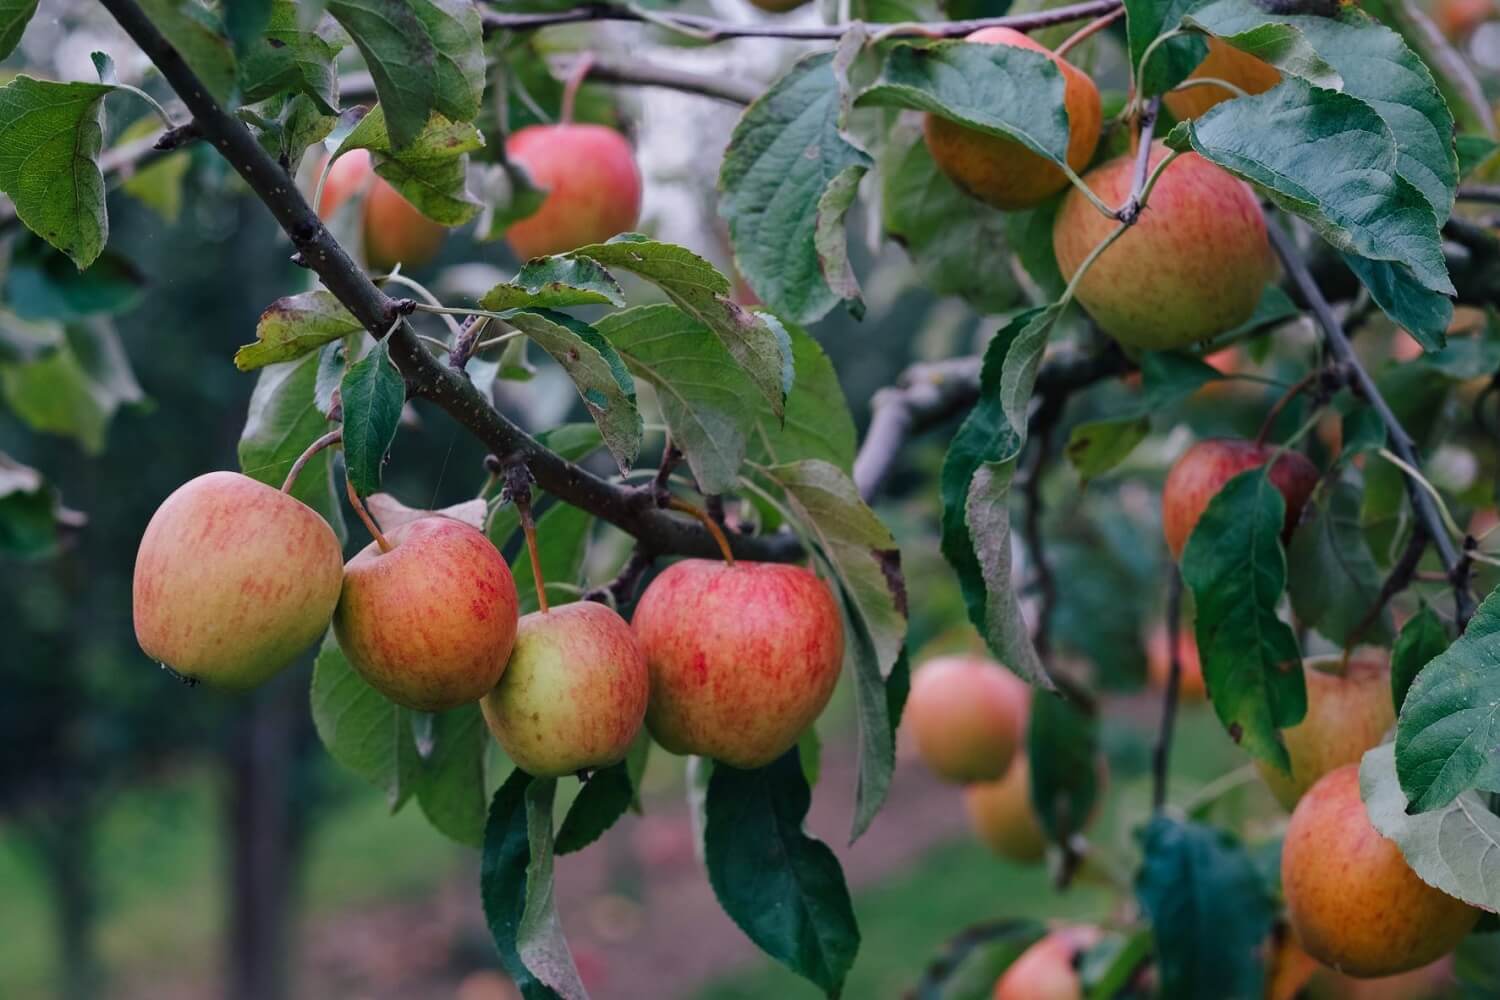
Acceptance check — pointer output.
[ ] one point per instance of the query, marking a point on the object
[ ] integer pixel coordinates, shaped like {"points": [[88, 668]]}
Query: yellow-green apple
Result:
{"points": [[593, 187], [1048, 970], [394, 231], [1001, 171], [968, 715], [1001, 815], [1190, 685], [1347, 714], [743, 657], [1195, 264], [573, 695], [1198, 476], [233, 579], [1223, 62], [431, 623], [1351, 898]]}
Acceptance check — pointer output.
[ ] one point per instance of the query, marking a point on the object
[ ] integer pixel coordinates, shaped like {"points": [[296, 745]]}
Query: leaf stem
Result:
{"points": [[1292, 392], [1212, 81], [333, 437], [1097, 25], [576, 75], [161, 112], [364, 515], [427, 298]]}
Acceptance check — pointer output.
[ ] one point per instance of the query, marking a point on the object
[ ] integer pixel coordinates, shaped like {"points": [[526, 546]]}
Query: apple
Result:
{"points": [[968, 715], [233, 580], [1223, 62], [394, 231], [573, 695], [1198, 476], [1001, 171], [1457, 19], [1048, 970], [431, 623], [743, 657], [1351, 898], [1194, 264], [1190, 684], [593, 187], [1001, 815], [1347, 714]]}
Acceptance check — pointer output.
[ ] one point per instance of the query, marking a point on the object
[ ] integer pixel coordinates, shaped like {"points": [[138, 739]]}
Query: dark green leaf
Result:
{"points": [[817, 420], [430, 169], [1332, 577], [28, 511], [450, 785], [503, 878], [286, 55], [44, 284], [295, 325], [199, 38], [1174, 59], [1062, 746], [361, 729], [539, 937], [602, 800], [1423, 638], [1473, 150], [14, 15], [555, 283], [1363, 431], [75, 388], [372, 393], [282, 421], [783, 888], [1424, 313], [1472, 357]]}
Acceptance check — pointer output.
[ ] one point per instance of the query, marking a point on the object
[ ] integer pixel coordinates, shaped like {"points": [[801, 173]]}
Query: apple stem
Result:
{"points": [[575, 79], [528, 527], [1096, 25], [713, 526], [333, 437], [1295, 389], [364, 515]]}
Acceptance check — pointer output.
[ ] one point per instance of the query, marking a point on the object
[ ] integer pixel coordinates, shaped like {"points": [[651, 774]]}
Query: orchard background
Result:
{"points": [[959, 410]]}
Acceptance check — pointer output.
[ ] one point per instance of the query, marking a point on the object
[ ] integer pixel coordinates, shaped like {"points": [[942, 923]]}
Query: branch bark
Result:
{"points": [[642, 74]]}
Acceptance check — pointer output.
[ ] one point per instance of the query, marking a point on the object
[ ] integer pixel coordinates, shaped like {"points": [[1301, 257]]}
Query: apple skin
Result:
{"points": [[233, 580], [394, 231], [1223, 62], [1001, 816], [573, 695], [743, 658], [1002, 172], [593, 187], [431, 623], [1198, 476], [1046, 970], [967, 714], [1346, 715], [1351, 899], [1194, 265], [1190, 683]]}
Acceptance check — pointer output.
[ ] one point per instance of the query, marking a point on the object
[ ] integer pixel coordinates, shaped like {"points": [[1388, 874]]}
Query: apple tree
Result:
{"points": [[1154, 204]]}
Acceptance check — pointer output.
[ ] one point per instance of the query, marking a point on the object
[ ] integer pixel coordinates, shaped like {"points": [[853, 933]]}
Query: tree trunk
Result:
{"points": [[65, 842]]}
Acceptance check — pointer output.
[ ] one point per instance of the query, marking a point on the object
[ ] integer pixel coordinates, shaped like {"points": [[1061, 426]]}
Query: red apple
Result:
{"points": [[1001, 171], [430, 623], [1201, 472], [1351, 898], [394, 231], [968, 715], [743, 657], [1223, 62], [1048, 970], [1001, 815], [1458, 18], [573, 695], [1194, 265], [233, 579], [593, 187]]}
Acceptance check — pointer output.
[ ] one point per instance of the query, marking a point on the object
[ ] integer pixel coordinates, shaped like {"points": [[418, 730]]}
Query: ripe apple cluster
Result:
{"points": [[733, 661]]}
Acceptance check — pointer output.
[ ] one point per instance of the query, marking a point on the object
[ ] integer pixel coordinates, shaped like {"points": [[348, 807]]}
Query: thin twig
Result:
{"points": [[620, 591], [1129, 212], [1397, 580], [1292, 392], [640, 74], [1161, 755], [1486, 193]]}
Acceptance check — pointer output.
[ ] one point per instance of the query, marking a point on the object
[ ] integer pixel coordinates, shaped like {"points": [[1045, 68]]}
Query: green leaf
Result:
{"points": [[50, 136], [1469, 357], [975, 487], [44, 284], [158, 184], [1473, 150], [817, 421], [372, 393], [1062, 747], [1363, 431], [361, 729], [598, 372], [1451, 847], [971, 963], [424, 55], [430, 169], [1455, 78], [1174, 59], [1449, 725], [198, 36], [28, 511], [450, 786], [1235, 568], [555, 283], [602, 800], [282, 421], [287, 126], [1097, 446], [571, 442], [75, 388], [1331, 573], [790, 169], [783, 888], [504, 876], [295, 325], [539, 937], [1422, 640], [1424, 313], [708, 403], [562, 543], [1029, 234], [288, 55], [14, 15], [756, 340], [1209, 909]]}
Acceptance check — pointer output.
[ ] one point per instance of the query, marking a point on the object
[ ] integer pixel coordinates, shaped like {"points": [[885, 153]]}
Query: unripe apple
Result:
{"points": [[1198, 476], [1001, 171], [1351, 898], [1194, 264], [743, 657], [1001, 815], [573, 695], [1346, 715], [233, 579], [1190, 684], [430, 623], [1048, 970], [968, 715], [1223, 62], [394, 231], [593, 187]]}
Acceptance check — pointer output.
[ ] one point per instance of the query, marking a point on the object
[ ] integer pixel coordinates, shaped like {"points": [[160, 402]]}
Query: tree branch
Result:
{"points": [[631, 509], [1161, 755], [642, 74]]}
